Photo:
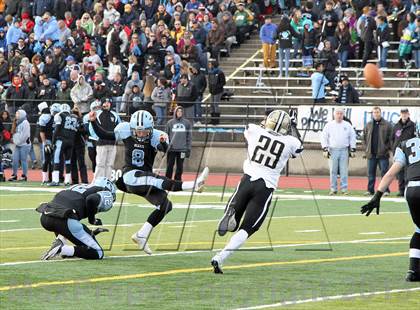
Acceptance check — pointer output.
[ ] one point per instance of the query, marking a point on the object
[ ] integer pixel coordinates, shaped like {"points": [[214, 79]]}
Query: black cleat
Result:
{"points": [[216, 267], [228, 222], [412, 276], [54, 250]]}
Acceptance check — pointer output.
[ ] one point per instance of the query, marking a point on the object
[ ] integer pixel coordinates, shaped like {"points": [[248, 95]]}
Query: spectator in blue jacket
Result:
{"points": [[268, 35], [319, 81], [14, 33], [49, 28]]}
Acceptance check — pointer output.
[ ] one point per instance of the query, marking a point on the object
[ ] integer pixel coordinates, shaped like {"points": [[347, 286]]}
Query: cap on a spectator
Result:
{"points": [[58, 45], [106, 100], [42, 106], [267, 17], [404, 110], [69, 58], [99, 82], [344, 78], [184, 76]]}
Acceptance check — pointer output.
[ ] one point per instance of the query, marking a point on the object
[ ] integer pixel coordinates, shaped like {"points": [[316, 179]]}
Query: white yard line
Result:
{"points": [[307, 231], [357, 241], [10, 221], [187, 194], [204, 221], [372, 233], [329, 298]]}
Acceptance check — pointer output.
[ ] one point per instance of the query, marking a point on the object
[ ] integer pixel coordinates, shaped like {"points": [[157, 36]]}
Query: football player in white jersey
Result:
{"points": [[269, 148]]}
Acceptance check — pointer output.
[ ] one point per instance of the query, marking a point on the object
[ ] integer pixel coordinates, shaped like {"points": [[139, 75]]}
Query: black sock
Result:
{"points": [[171, 185], [414, 264]]}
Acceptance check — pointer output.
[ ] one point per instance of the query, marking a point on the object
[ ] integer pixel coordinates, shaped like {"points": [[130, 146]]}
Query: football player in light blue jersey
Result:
{"points": [[142, 142]]}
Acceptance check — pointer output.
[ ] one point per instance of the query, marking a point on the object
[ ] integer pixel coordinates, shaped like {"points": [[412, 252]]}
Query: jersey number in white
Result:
{"points": [[268, 152], [137, 157], [414, 146], [70, 123]]}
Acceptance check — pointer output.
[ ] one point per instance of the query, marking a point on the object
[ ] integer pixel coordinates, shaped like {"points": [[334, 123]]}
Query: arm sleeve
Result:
{"points": [[92, 203], [352, 137], [324, 137], [400, 157], [102, 133]]}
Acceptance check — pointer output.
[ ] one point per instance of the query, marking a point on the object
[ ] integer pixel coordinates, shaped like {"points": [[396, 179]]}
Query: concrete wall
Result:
{"points": [[229, 157]]}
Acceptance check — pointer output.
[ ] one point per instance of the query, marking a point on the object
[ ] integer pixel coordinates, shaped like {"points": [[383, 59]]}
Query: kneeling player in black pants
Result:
{"points": [[269, 149], [407, 154], [142, 142], [63, 214]]}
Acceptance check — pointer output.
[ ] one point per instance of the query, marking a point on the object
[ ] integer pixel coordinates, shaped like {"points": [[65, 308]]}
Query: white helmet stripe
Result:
{"points": [[279, 122]]}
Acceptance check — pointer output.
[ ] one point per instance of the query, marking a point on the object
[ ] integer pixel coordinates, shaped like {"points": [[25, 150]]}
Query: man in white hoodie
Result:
{"points": [[21, 132]]}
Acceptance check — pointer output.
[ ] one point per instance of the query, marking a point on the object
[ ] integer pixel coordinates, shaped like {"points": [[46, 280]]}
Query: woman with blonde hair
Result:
{"points": [[87, 23]]}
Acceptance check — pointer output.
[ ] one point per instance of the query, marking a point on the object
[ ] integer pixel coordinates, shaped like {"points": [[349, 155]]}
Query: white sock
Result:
{"points": [[56, 176], [67, 250], [145, 230], [62, 238], [237, 240], [67, 178], [44, 176], [187, 185], [415, 253]]}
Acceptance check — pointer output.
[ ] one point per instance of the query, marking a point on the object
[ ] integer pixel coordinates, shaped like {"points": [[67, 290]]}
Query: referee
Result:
{"points": [[337, 139]]}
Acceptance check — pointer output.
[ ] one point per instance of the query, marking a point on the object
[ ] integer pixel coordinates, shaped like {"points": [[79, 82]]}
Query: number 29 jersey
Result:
{"points": [[268, 153]]}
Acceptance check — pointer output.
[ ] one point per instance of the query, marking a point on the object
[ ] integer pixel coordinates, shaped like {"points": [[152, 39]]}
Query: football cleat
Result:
{"points": [[142, 243], [228, 222], [54, 184], [217, 265], [412, 276], [54, 250], [201, 180]]}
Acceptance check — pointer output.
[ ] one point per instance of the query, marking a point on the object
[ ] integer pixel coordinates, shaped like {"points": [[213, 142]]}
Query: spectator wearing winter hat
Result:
{"points": [[129, 15], [16, 94], [21, 131], [81, 94], [179, 130], [27, 24]]}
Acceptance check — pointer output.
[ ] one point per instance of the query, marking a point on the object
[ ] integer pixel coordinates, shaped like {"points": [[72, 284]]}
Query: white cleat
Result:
{"points": [[201, 180], [54, 250], [216, 262], [142, 243]]}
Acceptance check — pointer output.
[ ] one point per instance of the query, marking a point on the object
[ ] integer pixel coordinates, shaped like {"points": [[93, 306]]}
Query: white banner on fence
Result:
{"points": [[312, 119]]}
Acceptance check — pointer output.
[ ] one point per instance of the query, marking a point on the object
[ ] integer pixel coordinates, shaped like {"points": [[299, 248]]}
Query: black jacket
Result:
{"points": [[285, 32], [216, 81], [108, 121], [402, 132], [352, 96]]}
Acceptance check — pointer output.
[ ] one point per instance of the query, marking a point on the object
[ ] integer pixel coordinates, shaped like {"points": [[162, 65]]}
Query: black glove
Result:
{"points": [[352, 153], [374, 203], [97, 222], [99, 230], [293, 117], [48, 149], [187, 154], [326, 153]]}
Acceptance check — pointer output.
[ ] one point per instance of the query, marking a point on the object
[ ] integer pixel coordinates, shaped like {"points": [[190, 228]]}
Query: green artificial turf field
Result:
{"points": [[288, 263]]}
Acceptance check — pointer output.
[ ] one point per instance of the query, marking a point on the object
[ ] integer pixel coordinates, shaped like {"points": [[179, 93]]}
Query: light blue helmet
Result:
{"points": [[65, 108], [141, 120], [55, 108], [107, 185], [95, 105]]}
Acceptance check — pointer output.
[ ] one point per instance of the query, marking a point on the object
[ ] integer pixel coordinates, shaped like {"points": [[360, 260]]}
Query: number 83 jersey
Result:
{"points": [[268, 153]]}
